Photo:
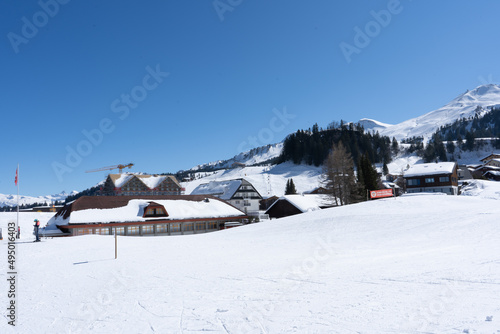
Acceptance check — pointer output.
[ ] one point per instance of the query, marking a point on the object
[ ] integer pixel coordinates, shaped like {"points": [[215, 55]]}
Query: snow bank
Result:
{"points": [[482, 188]]}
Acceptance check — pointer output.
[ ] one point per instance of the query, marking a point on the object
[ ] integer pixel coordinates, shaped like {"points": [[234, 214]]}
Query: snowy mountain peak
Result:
{"points": [[469, 104], [373, 125], [484, 90]]}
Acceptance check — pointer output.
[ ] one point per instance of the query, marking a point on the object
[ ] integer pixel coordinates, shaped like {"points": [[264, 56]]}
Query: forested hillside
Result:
{"points": [[313, 145]]}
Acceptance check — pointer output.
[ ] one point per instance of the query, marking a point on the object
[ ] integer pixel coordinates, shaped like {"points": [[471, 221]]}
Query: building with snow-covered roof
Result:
{"points": [[290, 205], [493, 162], [490, 157], [432, 177], [129, 184], [145, 215], [240, 193], [492, 175]]}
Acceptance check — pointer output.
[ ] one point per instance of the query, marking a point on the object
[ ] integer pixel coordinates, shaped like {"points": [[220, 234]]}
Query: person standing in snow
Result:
{"points": [[37, 226]]}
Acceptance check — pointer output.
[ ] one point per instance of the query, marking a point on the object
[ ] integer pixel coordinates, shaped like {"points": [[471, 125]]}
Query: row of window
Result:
{"points": [[416, 182], [250, 194], [148, 229], [131, 193]]}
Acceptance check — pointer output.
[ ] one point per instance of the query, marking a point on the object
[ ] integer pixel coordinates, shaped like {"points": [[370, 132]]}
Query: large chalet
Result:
{"points": [[144, 215], [432, 177], [240, 193], [139, 184]]}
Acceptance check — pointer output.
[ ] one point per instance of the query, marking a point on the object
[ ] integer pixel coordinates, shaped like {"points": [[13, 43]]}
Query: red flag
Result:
{"points": [[16, 178]]}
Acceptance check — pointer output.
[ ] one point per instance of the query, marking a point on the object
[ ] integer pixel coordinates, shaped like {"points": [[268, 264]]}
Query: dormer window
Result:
{"points": [[155, 210]]}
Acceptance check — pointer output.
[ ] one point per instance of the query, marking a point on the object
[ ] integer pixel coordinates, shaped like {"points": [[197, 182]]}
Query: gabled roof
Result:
{"points": [[106, 209], [305, 203], [430, 169], [150, 181], [487, 158], [222, 189], [119, 180]]}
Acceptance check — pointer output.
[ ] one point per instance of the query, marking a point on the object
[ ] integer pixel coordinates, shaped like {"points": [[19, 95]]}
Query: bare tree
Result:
{"points": [[338, 173]]}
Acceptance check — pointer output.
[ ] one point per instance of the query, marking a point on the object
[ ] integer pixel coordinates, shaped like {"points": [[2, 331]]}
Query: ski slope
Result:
{"points": [[268, 180], [414, 264]]}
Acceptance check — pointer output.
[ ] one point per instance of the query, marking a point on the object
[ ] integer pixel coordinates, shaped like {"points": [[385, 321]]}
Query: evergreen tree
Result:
{"points": [[395, 146], [450, 147], [290, 188], [469, 141], [368, 174], [385, 169]]}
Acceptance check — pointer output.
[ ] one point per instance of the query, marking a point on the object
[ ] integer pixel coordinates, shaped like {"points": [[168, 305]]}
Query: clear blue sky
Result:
{"points": [[172, 84]]}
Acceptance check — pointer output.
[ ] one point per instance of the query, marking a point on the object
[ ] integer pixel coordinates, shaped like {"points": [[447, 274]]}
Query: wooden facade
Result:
{"points": [[490, 157], [445, 182], [152, 228], [282, 208]]}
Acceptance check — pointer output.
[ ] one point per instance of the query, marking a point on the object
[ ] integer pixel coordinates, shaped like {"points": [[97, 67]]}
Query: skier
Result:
{"points": [[37, 226]]}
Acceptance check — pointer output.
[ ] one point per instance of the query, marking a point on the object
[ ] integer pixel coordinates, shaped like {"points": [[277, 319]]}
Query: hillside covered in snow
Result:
{"points": [[252, 157], [471, 103], [384, 266], [11, 200]]}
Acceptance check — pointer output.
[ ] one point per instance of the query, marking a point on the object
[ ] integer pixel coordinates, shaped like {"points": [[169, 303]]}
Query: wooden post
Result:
{"points": [[116, 244]]}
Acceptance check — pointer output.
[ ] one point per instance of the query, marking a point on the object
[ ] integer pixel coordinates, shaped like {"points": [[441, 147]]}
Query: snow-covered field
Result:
{"points": [[415, 264]]}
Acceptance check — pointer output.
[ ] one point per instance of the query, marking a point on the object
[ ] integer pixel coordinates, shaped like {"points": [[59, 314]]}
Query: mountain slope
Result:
{"points": [[11, 200], [251, 157], [470, 103]]}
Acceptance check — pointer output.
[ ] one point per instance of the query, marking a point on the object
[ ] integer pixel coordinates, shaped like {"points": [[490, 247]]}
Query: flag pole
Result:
{"points": [[17, 184]]}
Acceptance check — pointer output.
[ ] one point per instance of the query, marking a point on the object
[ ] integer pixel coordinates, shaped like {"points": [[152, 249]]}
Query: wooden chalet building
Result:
{"points": [[145, 215], [490, 157], [432, 177], [490, 169], [290, 205], [318, 191], [240, 193], [137, 184]]}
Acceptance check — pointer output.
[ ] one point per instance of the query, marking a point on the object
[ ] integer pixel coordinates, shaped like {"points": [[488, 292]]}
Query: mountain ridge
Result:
{"points": [[475, 102]]}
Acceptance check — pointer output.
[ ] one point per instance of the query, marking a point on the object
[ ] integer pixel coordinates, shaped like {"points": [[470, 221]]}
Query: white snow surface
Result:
{"points": [[430, 169], [483, 188], [465, 105], [413, 264]]}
